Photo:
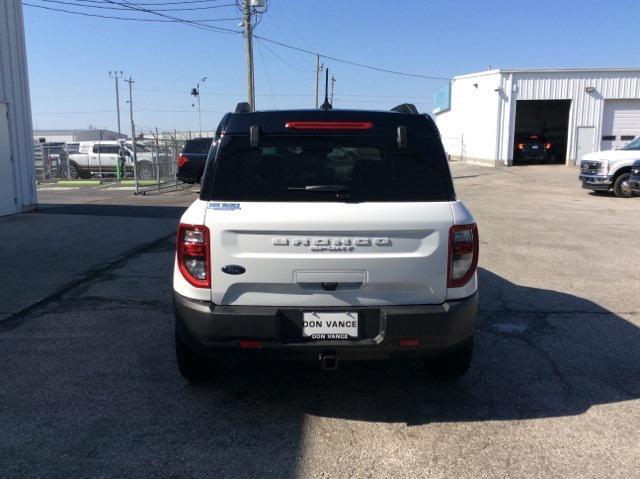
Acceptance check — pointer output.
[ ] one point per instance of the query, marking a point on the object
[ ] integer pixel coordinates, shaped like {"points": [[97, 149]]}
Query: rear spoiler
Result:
{"points": [[243, 107], [408, 108]]}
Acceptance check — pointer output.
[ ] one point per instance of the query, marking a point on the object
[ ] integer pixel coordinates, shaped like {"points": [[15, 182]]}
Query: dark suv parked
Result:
{"points": [[533, 148], [192, 159]]}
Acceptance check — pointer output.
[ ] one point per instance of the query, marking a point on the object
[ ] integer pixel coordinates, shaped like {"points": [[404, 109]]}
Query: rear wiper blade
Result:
{"points": [[334, 188]]}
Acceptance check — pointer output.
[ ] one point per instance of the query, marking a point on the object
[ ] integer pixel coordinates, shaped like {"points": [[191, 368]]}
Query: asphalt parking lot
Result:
{"points": [[89, 385]]}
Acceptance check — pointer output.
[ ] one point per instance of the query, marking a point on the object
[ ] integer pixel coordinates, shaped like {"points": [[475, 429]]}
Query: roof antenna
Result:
{"points": [[326, 105]]}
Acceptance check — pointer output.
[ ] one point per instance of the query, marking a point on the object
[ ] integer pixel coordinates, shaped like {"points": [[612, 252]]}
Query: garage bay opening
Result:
{"points": [[541, 131]]}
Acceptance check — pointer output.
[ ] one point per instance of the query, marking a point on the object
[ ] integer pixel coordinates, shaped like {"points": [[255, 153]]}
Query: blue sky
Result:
{"points": [[69, 56]]}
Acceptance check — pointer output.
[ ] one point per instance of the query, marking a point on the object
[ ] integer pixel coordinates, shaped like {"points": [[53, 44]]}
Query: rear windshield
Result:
{"points": [[307, 169], [200, 146]]}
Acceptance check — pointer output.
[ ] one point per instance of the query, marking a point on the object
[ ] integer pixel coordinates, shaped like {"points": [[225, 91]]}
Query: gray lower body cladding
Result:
{"points": [[212, 329]]}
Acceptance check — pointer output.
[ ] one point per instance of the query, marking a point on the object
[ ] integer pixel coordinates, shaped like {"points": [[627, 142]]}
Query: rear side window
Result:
{"points": [[106, 149], [200, 146], [308, 169]]}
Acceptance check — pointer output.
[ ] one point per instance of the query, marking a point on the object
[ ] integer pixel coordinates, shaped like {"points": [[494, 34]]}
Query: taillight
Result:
{"points": [[547, 146], [463, 254], [520, 146], [182, 160], [193, 255]]}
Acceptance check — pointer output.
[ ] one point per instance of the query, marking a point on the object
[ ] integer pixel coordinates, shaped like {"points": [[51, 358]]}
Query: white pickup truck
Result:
{"points": [[602, 171], [326, 236], [96, 158]]}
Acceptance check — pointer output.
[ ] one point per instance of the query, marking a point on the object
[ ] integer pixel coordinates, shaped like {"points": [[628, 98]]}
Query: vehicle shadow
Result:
{"points": [[539, 353], [122, 211]]}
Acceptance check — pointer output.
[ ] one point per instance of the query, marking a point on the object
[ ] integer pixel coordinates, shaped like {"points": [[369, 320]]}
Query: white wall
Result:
{"points": [[53, 138], [469, 128], [14, 90]]}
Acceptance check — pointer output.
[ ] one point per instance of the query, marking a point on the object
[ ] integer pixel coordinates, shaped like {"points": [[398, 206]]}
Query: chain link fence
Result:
{"points": [[148, 164]]}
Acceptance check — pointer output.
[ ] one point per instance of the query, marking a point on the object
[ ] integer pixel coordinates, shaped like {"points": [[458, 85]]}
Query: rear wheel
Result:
{"points": [[622, 186], [71, 172], [192, 366], [451, 365], [145, 171]]}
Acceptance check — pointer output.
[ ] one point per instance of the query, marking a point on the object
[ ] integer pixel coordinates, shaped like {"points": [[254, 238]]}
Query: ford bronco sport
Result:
{"points": [[326, 235]]}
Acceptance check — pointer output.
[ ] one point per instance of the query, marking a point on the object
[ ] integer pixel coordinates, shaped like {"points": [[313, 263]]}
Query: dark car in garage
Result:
{"points": [[533, 148], [192, 159]]}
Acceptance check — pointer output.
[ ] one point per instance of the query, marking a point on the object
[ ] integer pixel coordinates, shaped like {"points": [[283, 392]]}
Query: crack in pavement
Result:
{"points": [[17, 318]]}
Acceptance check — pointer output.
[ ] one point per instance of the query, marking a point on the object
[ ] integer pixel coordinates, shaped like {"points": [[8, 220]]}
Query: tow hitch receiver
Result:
{"points": [[328, 361]]}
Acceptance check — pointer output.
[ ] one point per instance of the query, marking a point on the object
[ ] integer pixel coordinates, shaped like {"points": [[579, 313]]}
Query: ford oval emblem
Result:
{"points": [[233, 269]]}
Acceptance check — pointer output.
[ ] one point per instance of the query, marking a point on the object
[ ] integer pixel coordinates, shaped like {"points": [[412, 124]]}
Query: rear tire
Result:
{"points": [[193, 367], [622, 187], [71, 172], [145, 171], [451, 365]]}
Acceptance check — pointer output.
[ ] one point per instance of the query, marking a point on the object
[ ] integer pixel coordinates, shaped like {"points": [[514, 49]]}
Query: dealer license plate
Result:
{"points": [[330, 325]]}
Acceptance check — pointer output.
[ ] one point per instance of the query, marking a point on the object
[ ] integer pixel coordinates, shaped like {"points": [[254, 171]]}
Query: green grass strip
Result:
{"points": [[78, 183]]}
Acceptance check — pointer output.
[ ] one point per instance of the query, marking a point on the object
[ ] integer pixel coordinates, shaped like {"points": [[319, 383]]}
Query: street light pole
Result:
{"points": [[133, 135], [116, 75], [196, 93]]}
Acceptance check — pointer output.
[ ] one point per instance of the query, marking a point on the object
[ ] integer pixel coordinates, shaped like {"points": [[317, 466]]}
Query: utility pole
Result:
{"points": [[248, 35], [116, 75], [319, 68], [333, 81], [133, 135], [196, 93]]}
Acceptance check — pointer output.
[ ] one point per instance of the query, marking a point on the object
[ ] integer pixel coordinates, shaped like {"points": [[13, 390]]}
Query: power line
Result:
{"points": [[266, 73], [196, 24], [282, 59], [126, 8], [349, 62], [156, 4], [136, 110], [111, 17], [192, 23]]}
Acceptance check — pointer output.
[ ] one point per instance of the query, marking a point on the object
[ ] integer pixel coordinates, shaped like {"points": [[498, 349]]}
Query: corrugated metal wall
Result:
{"points": [[14, 90], [586, 107]]}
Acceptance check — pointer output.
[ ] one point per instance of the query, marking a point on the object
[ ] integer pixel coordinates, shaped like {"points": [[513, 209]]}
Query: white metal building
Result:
{"points": [[481, 115], [75, 135], [17, 171]]}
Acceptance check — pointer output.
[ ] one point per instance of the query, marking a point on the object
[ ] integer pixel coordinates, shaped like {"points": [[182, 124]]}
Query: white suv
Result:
{"points": [[326, 235]]}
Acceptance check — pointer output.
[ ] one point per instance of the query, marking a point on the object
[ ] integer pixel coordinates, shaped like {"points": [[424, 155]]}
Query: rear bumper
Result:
{"points": [[596, 182], [192, 171], [210, 329]]}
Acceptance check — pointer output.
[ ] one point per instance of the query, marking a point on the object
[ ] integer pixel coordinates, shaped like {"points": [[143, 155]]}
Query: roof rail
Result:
{"points": [[408, 108], [243, 107]]}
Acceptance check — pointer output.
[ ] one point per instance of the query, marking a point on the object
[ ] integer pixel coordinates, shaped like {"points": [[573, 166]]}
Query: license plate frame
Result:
{"points": [[330, 325]]}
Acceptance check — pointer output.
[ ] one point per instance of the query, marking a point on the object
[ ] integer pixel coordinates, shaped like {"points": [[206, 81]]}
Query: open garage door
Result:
{"points": [[620, 123], [540, 134]]}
